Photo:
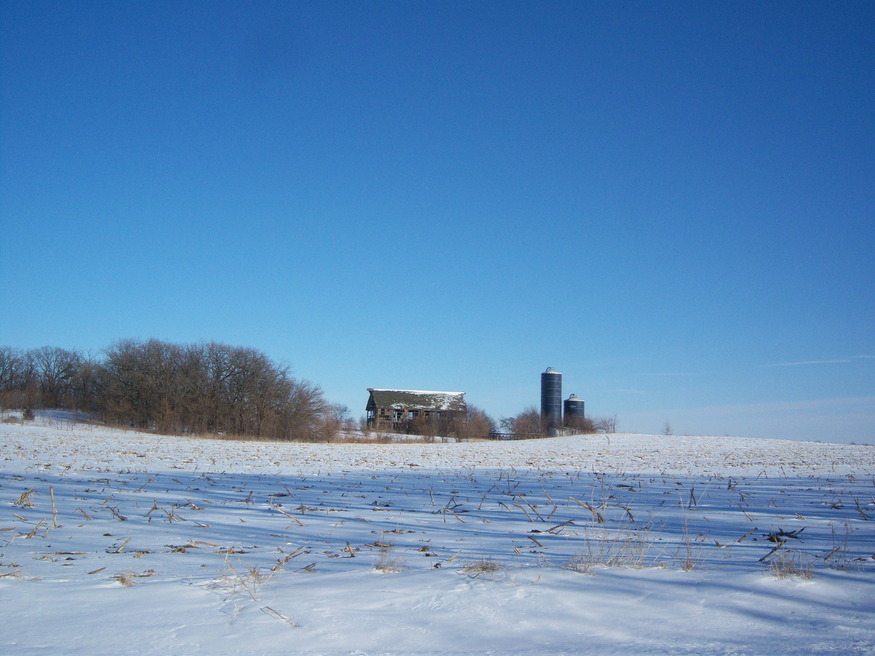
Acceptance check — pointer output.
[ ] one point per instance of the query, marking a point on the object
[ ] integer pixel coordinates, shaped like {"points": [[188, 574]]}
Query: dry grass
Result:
{"points": [[389, 562], [23, 500], [129, 579], [839, 556], [688, 556], [789, 563], [482, 567], [624, 548], [246, 578]]}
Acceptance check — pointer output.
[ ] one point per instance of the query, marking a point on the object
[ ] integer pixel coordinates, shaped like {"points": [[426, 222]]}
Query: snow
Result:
{"points": [[608, 545], [417, 399], [386, 389]]}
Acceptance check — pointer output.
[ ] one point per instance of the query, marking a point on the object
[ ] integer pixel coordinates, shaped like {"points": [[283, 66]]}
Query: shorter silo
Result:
{"points": [[574, 410]]}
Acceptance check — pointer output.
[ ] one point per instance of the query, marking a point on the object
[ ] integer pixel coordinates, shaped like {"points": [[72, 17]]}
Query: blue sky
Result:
{"points": [[672, 203]]}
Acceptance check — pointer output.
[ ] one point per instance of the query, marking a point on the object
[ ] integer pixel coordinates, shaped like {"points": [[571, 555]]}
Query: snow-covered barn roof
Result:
{"points": [[416, 400]]}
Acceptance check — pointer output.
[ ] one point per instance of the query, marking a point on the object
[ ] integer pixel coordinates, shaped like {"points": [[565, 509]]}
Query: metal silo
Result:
{"points": [[573, 410], [551, 399]]}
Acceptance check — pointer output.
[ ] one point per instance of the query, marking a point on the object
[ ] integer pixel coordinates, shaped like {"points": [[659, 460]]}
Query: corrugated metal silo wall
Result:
{"points": [[551, 398], [574, 409]]}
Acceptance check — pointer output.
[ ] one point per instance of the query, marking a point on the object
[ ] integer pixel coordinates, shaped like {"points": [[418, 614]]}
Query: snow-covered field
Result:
{"points": [[117, 542]]}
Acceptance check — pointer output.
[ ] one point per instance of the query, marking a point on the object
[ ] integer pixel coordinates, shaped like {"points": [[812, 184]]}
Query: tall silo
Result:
{"points": [[574, 411], [551, 399]]}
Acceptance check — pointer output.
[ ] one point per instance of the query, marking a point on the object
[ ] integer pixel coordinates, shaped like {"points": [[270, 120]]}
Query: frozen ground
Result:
{"points": [[116, 542]]}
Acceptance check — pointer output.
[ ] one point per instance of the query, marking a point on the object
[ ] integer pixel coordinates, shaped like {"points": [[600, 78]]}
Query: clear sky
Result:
{"points": [[672, 203]]}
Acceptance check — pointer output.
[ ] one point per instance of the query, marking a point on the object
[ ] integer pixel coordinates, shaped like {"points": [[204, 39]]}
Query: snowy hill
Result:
{"points": [[115, 542]]}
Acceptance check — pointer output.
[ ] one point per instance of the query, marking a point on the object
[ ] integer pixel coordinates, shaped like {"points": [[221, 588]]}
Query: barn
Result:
{"points": [[415, 412]]}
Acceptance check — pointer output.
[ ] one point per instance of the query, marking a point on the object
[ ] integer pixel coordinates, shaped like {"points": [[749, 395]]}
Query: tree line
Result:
{"points": [[532, 424], [207, 388]]}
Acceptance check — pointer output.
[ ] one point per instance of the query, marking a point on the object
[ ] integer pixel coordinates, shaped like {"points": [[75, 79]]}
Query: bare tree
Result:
{"points": [[506, 424], [476, 424], [606, 424], [580, 424], [305, 412], [142, 384], [530, 423], [340, 414], [87, 385], [55, 370], [13, 378], [428, 426]]}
